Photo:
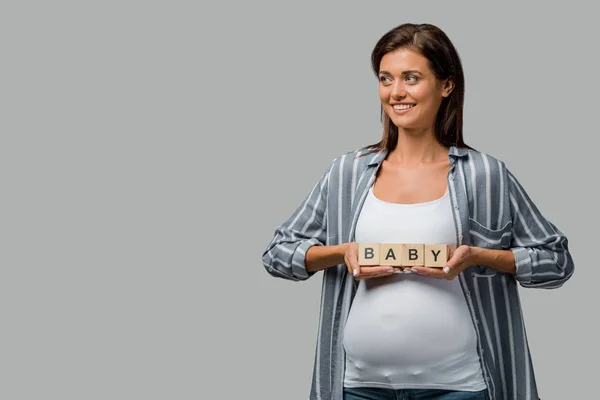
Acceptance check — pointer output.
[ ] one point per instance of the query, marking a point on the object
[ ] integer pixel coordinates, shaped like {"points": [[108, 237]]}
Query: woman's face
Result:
{"points": [[410, 93]]}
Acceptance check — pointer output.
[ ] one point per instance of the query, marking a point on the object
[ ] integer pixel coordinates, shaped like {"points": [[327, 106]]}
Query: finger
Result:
{"points": [[391, 271], [450, 265], [411, 269], [353, 268], [354, 265], [413, 266], [351, 259], [375, 269], [374, 276], [428, 271]]}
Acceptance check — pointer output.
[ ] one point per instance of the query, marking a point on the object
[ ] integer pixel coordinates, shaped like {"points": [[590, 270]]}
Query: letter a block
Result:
{"points": [[368, 253], [390, 254], [436, 255], [413, 254]]}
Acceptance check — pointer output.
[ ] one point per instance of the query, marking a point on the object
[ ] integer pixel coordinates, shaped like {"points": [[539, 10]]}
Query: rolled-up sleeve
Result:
{"points": [[540, 249], [285, 255]]}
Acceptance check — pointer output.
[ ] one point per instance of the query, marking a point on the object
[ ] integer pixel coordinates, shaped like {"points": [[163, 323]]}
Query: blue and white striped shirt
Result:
{"points": [[491, 210]]}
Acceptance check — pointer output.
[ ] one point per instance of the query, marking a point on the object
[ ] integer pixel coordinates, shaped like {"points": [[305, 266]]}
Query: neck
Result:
{"points": [[416, 148]]}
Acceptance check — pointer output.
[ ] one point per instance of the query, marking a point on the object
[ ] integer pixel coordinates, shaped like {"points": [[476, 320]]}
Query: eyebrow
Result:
{"points": [[410, 71]]}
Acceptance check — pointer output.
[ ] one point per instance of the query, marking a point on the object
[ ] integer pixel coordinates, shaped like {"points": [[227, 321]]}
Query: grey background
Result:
{"points": [[149, 149]]}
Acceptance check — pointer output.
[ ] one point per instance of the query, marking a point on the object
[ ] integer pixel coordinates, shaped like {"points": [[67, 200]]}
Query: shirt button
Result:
{"points": [[477, 322], [468, 294], [460, 237], [451, 177], [456, 207]]}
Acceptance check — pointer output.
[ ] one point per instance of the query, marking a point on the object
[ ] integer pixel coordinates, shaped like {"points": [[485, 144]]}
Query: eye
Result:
{"points": [[412, 78], [384, 79]]}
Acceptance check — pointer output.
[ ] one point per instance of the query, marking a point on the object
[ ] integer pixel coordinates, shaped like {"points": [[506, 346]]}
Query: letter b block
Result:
{"points": [[368, 253], [413, 254]]}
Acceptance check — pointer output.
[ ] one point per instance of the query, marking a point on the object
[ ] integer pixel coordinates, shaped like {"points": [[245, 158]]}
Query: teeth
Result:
{"points": [[402, 106]]}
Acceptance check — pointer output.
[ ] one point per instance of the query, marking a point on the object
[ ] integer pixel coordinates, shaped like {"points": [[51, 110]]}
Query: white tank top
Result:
{"points": [[407, 330]]}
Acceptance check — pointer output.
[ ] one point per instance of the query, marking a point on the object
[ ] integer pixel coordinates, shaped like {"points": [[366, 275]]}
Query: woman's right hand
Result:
{"points": [[365, 272]]}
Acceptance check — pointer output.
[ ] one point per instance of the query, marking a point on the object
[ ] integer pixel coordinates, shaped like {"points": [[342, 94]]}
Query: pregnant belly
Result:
{"points": [[412, 321]]}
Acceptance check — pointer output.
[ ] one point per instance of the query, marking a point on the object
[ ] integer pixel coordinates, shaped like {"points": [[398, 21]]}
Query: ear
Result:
{"points": [[447, 87]]}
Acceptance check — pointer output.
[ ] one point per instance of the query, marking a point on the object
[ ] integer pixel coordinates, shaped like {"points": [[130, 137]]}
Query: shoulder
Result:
{"points": [[478, 163], [355, 161]]}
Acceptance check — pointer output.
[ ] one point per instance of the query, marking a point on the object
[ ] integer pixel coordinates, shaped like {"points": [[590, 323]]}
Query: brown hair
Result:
{"points": [[431, 42]]}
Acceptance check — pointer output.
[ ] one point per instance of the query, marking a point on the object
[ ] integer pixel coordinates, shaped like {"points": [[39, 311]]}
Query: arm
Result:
{"points": [[538, 254], [542, 257], [322, 257], [466, 256], [286, 255], [501, 260]]}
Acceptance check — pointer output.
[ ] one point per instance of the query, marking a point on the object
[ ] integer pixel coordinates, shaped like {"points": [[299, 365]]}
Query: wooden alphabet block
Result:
{"points": [[413, 254], [368, 253], [390, 254], [436, 255]]}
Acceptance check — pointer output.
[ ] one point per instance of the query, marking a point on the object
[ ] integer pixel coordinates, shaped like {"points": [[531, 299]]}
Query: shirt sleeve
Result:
{"points": [[541, 250], [285, 255]]}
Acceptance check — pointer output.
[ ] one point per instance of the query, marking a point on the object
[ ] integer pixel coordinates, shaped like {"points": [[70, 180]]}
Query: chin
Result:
{"points": [[403, 124]]}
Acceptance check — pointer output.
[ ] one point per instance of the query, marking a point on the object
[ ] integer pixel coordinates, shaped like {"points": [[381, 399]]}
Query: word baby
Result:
{"points": [[403, 255]]}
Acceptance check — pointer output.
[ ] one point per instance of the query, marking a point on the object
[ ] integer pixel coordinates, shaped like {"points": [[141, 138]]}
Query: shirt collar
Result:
{"points": [[453, 152]]}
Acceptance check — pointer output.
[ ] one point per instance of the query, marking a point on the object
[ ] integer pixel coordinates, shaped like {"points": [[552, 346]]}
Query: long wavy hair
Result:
{"points": [[432, 43]]}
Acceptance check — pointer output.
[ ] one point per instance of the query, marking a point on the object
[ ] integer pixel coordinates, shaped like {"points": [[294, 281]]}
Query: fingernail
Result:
{"points": [[355, 272], [407, 271], [447, 269], [390, 271]]}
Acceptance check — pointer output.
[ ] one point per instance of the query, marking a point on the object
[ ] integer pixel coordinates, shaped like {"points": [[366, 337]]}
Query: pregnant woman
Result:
{"points": [[421, 332]]}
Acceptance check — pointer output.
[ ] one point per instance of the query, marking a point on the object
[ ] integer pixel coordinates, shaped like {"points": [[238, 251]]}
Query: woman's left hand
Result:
{"points": [[460, 259]]}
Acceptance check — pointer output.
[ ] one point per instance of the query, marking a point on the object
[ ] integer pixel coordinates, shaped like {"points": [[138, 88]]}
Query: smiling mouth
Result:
{"points": [[401, 107]]}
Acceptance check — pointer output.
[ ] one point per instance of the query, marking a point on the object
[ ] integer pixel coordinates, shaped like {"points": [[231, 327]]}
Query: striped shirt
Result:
{"points": [[491, 210]]}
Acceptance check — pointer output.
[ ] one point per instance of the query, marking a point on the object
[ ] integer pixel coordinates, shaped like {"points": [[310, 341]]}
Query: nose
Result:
{"points": [[398, 90]]}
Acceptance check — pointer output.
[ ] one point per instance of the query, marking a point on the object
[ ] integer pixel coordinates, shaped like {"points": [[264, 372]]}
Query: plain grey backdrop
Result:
{"points": [[149, 149]]}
